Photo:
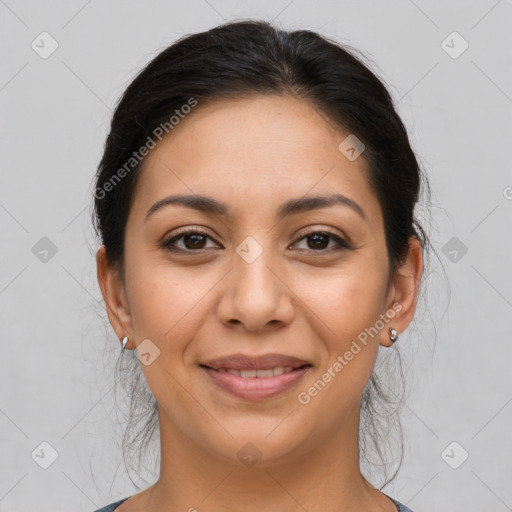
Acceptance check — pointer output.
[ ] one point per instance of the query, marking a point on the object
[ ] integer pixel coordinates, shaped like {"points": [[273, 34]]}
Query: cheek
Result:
{"points": [[167, 306], [165, 302], [345, 310], [345, 301]]}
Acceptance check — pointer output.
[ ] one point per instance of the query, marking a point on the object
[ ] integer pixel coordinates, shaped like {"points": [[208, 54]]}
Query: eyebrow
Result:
{"points": [[294, 206]]}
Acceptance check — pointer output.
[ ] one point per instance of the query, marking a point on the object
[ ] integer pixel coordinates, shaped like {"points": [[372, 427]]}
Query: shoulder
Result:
{"points": [[112, 506], [401, 507]]}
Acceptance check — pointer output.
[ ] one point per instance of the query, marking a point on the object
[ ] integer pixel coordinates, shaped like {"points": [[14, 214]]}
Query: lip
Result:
{"points": [[262, 362], [255, 388]]}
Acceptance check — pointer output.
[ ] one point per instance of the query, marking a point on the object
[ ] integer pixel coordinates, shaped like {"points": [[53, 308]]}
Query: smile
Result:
{"points": [[256, 384], [270, 372]]}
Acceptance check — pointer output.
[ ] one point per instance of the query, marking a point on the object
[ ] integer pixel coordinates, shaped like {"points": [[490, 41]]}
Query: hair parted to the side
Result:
{"points": [[243, 59]]}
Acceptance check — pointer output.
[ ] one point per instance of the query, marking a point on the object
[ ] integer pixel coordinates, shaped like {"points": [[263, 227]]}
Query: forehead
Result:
{"points": [[253, 152]]}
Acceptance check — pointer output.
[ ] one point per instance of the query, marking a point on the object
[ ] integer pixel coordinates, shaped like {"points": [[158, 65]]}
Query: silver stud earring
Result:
{"points": [[393, 335], [125, 341]]}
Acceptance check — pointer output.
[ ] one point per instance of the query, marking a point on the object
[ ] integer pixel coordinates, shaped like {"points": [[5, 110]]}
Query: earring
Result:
{"points": [[393, 335], [125, 341]]}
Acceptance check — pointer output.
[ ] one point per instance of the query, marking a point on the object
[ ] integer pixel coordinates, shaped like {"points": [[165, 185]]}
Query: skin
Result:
{"points": [[294, 299]]}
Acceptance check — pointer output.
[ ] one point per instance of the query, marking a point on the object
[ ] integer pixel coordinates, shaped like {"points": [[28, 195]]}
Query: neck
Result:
{"points": [[324, 475]]}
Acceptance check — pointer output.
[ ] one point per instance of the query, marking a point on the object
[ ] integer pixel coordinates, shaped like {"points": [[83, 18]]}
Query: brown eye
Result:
{"points": [[191, 240], [194, 241], [318, 241]]}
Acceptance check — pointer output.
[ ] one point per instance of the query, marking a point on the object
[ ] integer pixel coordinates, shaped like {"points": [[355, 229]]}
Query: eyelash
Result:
{"points": [[168, 244]]}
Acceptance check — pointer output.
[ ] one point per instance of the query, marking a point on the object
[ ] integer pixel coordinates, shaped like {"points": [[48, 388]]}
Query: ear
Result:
{"points": [[114, 295], [403, 291]]}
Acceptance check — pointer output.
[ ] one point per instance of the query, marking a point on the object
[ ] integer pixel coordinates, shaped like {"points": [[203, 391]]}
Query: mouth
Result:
{"points": [[258, 374], [255, 378]]}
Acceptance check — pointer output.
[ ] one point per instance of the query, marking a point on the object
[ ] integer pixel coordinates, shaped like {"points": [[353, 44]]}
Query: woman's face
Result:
{"points": [[306, 283]]}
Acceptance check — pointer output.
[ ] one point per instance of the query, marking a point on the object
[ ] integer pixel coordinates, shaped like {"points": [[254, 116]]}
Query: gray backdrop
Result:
{"points": [[64, 65]]}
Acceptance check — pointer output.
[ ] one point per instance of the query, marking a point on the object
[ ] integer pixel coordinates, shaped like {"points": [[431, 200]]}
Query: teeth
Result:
{"points": [[270, 372], [248, 373], [262, 373]]}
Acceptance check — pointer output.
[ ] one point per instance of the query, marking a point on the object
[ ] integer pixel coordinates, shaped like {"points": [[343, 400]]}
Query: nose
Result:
{"points": [[256, 296]]}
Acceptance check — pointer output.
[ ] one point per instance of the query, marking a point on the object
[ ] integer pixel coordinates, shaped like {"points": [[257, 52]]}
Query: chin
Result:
{"points": [[257, 448]]}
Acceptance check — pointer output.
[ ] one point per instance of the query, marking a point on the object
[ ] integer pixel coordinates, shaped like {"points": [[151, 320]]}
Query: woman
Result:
{"points": [[255, 202]]}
